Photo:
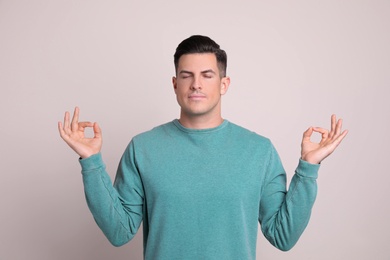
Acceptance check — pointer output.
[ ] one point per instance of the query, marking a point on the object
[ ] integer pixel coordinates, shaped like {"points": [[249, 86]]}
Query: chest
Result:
{"points": [[202, 177]]}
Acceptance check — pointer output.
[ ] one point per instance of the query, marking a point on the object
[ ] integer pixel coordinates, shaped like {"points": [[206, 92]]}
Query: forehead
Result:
{"points": [[198, 61]]}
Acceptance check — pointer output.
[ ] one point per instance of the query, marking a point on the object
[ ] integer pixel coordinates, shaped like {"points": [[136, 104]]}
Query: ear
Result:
{"points": [[174, 83], [225, 82]]}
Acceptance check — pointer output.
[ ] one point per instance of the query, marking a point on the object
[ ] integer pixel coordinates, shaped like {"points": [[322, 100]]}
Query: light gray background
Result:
{"points": [[292, 64]]}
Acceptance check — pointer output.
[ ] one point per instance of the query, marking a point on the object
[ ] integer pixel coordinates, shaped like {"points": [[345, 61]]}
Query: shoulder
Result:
{"points": [[249, 135], [155, 134]]}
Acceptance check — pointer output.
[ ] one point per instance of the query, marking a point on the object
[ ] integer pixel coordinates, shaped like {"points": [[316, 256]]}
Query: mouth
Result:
{"points": [[196, 96]]}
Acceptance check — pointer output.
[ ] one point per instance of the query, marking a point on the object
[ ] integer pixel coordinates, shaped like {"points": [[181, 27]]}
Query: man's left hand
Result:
{"points": [[316, 152]]}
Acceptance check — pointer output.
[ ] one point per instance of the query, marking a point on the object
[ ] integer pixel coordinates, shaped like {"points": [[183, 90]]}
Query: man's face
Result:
{"points": [[198, 85]]}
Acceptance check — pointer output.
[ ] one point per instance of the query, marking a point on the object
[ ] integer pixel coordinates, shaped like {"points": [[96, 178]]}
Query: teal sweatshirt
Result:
{"points": [[200, 193]]}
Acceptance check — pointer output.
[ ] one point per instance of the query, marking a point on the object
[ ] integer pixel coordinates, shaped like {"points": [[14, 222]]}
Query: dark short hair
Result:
{"points": [[201, 44]]}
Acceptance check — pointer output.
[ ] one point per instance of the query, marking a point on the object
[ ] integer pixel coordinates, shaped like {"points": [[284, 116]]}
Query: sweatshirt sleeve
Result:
{"points": [[117, 209], [284, 215]]}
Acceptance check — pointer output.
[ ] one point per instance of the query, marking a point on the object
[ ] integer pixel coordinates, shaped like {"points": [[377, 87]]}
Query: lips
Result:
{"points": [[197, 96]]}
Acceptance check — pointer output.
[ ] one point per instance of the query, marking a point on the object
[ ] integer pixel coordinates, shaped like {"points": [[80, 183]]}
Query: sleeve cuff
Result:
{"points": [[306, 169], [91, 163]]}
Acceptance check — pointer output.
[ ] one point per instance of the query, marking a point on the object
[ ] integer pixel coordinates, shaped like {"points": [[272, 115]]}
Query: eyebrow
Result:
{"points": [[203, 72], [185, 72], [208, 71]]}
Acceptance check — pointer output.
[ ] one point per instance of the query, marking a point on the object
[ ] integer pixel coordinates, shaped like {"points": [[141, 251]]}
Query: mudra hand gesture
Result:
{"points": [[73, 133], [316, 152]]}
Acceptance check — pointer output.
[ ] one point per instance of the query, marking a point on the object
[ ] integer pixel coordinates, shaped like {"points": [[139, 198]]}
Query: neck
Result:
{"points": [[200, 122]]}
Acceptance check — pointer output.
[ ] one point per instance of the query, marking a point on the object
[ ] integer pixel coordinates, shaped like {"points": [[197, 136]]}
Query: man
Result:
{"points": [[200, 184]]}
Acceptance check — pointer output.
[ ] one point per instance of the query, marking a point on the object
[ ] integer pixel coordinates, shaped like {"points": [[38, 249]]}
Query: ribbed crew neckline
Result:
{"points": [[199, 131]]}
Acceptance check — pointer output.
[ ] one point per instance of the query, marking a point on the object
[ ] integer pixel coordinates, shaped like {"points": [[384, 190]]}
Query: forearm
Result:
{"points": [[108, 209], [286, 225]]}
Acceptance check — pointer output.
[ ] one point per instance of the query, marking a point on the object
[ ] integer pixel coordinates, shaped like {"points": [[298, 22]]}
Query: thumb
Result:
{"points": [[307, 134]]}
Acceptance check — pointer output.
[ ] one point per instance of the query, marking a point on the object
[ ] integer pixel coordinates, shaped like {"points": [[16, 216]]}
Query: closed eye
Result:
{"points": [[208, 74], [185, 74]]}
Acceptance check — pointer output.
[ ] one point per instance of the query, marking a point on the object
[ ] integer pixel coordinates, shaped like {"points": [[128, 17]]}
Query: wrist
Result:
{"points": [[310, 160]]}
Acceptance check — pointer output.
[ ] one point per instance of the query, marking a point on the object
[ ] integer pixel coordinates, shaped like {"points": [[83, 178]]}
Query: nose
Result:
{"points": [[196, 84]]}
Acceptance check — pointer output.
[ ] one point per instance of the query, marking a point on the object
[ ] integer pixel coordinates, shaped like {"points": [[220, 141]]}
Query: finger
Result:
{"points": [[97, 131], [338, 127], [82, 125], [307, 134], [61, 130], [332, 146], [66, 127], [332, 125], [324, 132], [338, 140], [75, 119]]}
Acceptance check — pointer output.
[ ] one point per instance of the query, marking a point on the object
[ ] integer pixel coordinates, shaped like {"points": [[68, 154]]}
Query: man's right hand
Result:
{"points": [[73, 133]]}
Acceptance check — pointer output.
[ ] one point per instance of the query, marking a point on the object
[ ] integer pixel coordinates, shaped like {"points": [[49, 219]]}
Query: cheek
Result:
{"points": [[181, 85], [179, 90], [180, 94]]}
